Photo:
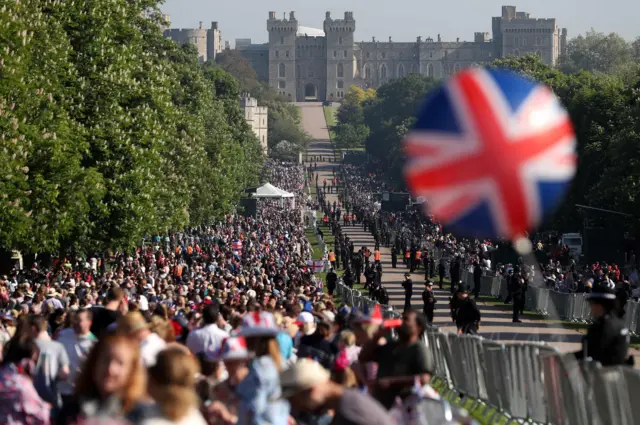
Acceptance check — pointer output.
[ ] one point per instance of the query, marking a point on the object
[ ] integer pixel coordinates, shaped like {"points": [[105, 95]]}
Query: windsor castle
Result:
{"points": [[305, 63]]}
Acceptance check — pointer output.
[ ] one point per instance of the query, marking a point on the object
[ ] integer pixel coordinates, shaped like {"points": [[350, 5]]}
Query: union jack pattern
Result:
{"points": [[492, 153]]}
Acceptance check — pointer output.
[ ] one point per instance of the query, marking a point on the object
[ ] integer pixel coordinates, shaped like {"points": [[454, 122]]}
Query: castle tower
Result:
{"points": [[282, 54], [341, 62]]}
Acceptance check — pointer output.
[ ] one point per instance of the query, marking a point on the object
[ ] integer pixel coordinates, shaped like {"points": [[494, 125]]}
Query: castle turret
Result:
{"points": [[282, 54], [341, 62]]}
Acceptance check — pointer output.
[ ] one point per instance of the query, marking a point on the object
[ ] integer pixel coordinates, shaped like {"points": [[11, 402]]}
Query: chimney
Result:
{"points": [[292, 16], [200, 24], [439, 38], [458, 40], [389, 39], [419, 39], [272, 15]]}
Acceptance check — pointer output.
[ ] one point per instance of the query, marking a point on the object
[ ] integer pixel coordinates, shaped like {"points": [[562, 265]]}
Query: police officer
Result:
{"points": [[408, 291], [394, 257], [332, 278], [607, 340], [467, 314], [429, 300], [517, 288], [441, 273]]}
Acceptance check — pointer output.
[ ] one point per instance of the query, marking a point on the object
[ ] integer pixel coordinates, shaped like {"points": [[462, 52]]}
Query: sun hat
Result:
{"points": [[258, 323], [303, 375]]}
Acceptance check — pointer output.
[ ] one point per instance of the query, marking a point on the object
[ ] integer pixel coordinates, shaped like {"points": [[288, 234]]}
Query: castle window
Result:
{"points": [[282, 84], [401, 72], [277, 54], [384, 55], [516, 41], [281, 40], [430, 70], [335, 53], [340, 70], [345, 53], [430, 54], [287, 53], [367, 72], [524, 42], [340, 84], [368, 55], [281, 71], [383, 72], [538, 41], [340, 40]]}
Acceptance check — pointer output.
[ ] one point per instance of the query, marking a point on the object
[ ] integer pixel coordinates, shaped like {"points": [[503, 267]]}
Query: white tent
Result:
{"points": [[270, 191]]}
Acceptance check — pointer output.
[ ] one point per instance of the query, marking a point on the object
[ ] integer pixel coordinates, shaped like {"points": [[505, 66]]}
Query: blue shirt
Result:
{"points": [[259, 395], [286, 345]]}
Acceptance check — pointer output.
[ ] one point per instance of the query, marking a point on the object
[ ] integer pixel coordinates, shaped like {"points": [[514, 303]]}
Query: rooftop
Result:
{"points": [[311, 32]]}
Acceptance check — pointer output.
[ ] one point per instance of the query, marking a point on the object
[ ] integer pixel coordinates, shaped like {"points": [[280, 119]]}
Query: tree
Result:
{"points": [[597, 52], [233, 62], [387, 115], [351, 135]]}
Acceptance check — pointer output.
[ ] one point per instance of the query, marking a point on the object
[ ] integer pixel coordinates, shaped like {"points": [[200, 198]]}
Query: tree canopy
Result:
{"points": [[108, 131], [604, 108]]}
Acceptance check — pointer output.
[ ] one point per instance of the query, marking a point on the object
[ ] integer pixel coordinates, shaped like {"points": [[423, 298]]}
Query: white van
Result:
{"points": [[573, 241]]}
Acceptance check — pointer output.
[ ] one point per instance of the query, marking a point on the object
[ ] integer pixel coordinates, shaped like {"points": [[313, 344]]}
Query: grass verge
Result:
{"points": [[330, 119]]}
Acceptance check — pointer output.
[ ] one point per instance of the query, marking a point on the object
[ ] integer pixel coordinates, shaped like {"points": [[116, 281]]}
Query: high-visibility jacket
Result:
{"points": [[418, 255], [332, 256], [407, 254], [325, 219], [376, 255]]}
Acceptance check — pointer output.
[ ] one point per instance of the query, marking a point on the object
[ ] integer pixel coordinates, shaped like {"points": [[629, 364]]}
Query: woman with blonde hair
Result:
{"points": [[260, 392], [112, 384], [172, 385]]}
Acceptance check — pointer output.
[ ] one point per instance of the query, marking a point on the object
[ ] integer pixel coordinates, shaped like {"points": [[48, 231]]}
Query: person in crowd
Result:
{"points": [[399, 362], [105, 316], [134, 325], [172, 386], [77, 341], [309, 388], [260, 391], [209, 337], [112, 384], [222, 406], [20, 402], [52, 367]]}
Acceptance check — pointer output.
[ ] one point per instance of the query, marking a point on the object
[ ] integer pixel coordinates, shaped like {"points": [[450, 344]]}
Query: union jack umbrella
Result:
{"points": [[492, 153]]}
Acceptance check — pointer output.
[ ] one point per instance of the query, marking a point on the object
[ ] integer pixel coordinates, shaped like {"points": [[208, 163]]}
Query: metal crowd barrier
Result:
{"points": [[572, 307], [356, 299], [532, 382]]}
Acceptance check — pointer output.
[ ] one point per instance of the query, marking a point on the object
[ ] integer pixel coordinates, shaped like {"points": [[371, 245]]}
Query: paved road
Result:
{"points": [[496, 321]]}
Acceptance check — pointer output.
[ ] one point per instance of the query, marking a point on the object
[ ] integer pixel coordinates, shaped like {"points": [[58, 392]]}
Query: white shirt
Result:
{"points": [[150, 347], [206, 339]]}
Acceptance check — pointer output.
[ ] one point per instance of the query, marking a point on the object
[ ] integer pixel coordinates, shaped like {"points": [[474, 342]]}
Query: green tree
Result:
{"points": [[597, 52]]}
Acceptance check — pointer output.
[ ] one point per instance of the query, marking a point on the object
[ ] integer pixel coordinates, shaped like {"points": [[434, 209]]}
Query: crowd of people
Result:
{"points": [[221, 324]]}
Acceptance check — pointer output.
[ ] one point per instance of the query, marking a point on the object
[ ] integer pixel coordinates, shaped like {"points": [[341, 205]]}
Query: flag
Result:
{"points": [[236, 245], [491, 152]]}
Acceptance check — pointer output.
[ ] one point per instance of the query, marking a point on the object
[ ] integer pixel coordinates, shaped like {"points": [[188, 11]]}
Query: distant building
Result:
{"points": [[208, 41], [256, 117], [304, 63]]}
